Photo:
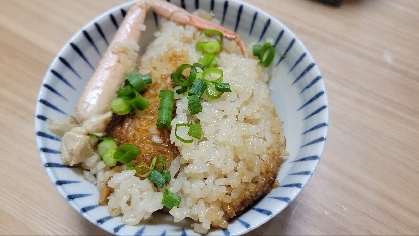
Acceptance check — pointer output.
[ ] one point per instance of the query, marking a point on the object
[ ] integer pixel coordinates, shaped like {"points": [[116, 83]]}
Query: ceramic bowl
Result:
{"points": [[297, 91]]}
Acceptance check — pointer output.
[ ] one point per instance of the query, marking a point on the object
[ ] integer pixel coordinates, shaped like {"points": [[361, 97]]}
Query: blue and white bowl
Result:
{"points": [[297, 90]]}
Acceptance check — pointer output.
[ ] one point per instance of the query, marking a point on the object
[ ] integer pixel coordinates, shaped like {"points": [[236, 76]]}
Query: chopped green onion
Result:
{"points": [[180, 79], [210, 47], [195, 130], [213, 62], [212, 92], [194, 104], [206, 59], [181, 90], [108, 158], [136, 81], [170, 199], [139, 102], [137, 168], [216, 33], [120, 106], [166, 108], [126, 153], [101, 138], [106, 145], [198, 87], [265, 53], [222, 87], [157, 178], [126, 92], [213, 74]]}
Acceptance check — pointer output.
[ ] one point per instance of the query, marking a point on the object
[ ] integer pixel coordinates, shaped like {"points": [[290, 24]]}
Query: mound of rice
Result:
{"points": [[242, 142]]}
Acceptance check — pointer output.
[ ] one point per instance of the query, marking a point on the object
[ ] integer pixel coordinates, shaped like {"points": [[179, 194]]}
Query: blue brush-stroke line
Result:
{"points": [[298, 61], [294, 185], [184, 232], [265, 28], [263, 211], [48, 104], [286, 51], [316, 111], [41, 117], [164, 233], [244, 223], [103, 220], [309, 158], [255, 16], [225, 9], [60, 77], [284, 199], [81, 54], [314, 98], [71, 197], [140, 232], [48, 150], [226, 232], [314, 81], [113, 20], [278, 38], [302, 173], [87, 36], [68, 65], [305, 71], [49, 136], [57, 165], [88, 208], [238, 18], [117, 228], [318, 140], [321, 125], [63, 182], [99, 29]]}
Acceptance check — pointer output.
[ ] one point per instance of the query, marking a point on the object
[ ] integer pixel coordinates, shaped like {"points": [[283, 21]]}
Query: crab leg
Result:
{"points": [[110, 73]]}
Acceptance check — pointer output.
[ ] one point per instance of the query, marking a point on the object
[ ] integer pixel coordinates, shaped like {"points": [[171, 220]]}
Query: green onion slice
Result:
{"points": [[222, 87], [108, 157], [194, 104], [198, 87], [265, 53], [120, 106], [106, 145], [170, 199], [180, 79], [101, 138], [138, 102], [213, 75], [136, 81], [126, 153], [216, 33], [206, 58], [212, 92], [209, 47], [157, 178], [195, 131], [166, 107]]}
